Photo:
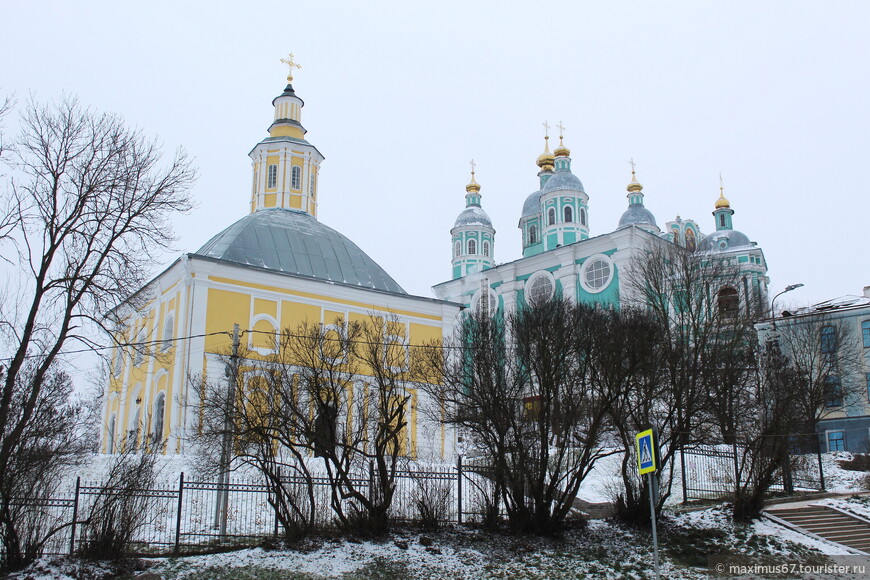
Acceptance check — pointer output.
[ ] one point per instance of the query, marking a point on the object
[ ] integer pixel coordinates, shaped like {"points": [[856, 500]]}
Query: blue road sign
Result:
{"points": [[646, 459]]}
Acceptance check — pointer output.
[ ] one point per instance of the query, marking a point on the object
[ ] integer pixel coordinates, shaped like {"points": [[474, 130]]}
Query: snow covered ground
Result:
{"points": [[604, 549]]}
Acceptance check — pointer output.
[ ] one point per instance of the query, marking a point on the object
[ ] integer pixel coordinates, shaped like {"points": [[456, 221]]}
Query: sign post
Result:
{"points": [[646, 465]]}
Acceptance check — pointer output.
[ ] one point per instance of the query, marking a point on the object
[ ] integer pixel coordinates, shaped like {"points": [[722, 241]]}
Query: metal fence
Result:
{"points": [[711, 471], [192, 516]]}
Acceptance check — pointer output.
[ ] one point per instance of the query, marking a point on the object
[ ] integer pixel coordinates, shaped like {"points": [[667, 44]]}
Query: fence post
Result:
{"points": [[277, 499], [75, 516], [178, 513], [736, 466], [459, 489], [372, 497], [683, 475]]}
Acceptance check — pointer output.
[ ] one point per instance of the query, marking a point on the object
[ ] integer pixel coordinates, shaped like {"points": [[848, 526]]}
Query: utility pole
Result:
{"points": [[232, 374]]}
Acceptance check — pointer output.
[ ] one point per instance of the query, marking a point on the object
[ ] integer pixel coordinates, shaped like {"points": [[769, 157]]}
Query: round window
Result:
{"points": [[596, 274], [540, 288]]}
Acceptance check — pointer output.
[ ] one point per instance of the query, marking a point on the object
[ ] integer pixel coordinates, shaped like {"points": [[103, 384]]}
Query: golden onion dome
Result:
{"points": [[546, 158], [722, 202], [561, 150], [634, 185], [472, 186]]}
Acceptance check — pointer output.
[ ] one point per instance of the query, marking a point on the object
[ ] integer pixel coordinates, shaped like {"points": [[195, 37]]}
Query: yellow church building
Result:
{"points": [[271, 270]]}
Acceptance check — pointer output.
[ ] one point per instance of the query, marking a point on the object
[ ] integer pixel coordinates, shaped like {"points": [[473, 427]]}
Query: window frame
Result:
{"points": [[471, 247], [865, 332], [551, 216], [272, 176], [484, 246], [296, 178], [530, 284], [833, 392], [827, 339], [568, 214], [841, 439], [587, 265], [533, 234]]}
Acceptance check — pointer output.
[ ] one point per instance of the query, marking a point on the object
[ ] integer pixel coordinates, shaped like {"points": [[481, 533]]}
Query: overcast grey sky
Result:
{"points": [[400, 95]]}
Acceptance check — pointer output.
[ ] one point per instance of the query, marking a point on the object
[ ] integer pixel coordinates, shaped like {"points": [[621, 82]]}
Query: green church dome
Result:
{"points": [[296, 243]]}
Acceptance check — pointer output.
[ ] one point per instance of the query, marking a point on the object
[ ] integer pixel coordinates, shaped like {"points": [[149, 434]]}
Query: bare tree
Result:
{"points": [[332, 400], [89, 207], [706, 329], [765, 419], [527, 392]]}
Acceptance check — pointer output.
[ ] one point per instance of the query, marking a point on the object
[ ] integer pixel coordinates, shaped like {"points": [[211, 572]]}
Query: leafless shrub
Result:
{"points": [[122, 506]]}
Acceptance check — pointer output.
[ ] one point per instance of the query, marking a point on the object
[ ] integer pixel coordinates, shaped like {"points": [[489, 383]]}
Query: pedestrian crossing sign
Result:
{"points": [[646, 457]]}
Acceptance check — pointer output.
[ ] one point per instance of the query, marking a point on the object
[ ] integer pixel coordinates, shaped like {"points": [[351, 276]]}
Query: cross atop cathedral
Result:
{"points": [[561, 129], [721, 183], [632, 163], [473, 165], [546, 130], [291, 63]]}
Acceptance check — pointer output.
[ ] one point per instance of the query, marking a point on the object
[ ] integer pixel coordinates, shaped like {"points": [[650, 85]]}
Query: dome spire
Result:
{"points": [[545, 159], [473, 186], [634, 185], [291, 64], [722, 202], [561, 150]]}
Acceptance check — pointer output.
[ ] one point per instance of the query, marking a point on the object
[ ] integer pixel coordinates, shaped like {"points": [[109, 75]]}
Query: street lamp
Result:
{"points": [[788, 288]]}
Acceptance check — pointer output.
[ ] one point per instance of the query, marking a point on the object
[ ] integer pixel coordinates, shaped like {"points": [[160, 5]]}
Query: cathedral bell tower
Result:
{"points": [[473, 236], [285, 166]]}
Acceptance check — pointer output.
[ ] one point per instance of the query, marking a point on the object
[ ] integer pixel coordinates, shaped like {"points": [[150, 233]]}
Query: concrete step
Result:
{"points": [[829, 524]]}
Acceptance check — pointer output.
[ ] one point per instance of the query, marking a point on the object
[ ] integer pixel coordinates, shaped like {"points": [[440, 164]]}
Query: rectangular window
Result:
{"points": [[833, 392], [828, 339], [272, 179], [836, 441], [865, 331]]}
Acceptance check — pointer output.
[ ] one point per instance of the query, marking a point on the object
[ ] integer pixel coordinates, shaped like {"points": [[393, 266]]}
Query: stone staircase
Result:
{"points": [[827, 523]]}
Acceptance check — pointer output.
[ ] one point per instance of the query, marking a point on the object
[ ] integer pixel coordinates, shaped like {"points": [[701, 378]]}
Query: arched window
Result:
{"points": [[729, 302], [569, 215], [168, 327], [118, 361], [722, 219], [690, 239], [311, 180], [139, 347], [110, 439], [472, 247], [486, 249], [159, 413], [457, 248], [296, 177], [533, 234], [272, 177], [263, 335], [551, 216], [135, 427], [582, 216]]}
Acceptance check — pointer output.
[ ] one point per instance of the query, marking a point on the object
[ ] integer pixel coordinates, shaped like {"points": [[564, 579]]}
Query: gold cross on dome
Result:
{"points": [[561, 129], [291, 63], [632, 163], [546, 129], [473, 165], [721, 183]]}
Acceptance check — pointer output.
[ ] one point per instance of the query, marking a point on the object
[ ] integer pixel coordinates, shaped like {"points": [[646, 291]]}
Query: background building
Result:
{"points": [[831, 340], [561, 255]]}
